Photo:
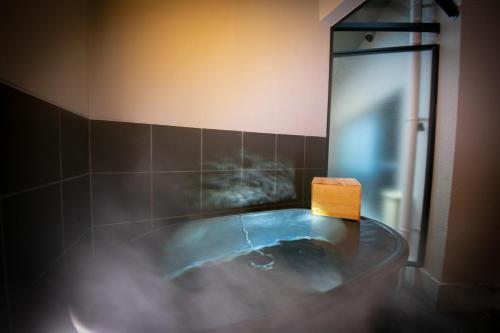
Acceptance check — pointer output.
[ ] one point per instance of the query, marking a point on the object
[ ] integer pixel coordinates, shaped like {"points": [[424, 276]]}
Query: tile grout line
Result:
{"points": [[97, 173], [141, 221], [275, 199], [241, 160], [101, 225], [4, 271], [61, 191], [111, 173], [38, 187], [76, 241], [91, 190], [75, 177], [201, 172], [34, 188], [151, 198], [303, 173]]}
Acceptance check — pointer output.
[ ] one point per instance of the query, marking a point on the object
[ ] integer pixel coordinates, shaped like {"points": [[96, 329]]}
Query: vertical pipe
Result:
{"points": [[409, 152]]}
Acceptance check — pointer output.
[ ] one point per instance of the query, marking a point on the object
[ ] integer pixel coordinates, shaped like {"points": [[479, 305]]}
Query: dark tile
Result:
{"points": [[176, 148], [4, 321], [45, 307], [174, 221], [308, 177], [75, 144], [221, 150], [120, 197], [258, 187], [78, 259], [119, 234], [259, 150], [176, 193], [315, 152], [290, 152], [222, 190], [76, 208], [119, 146], [289, 186], [30, 141], [3, 296], [33, 234]]}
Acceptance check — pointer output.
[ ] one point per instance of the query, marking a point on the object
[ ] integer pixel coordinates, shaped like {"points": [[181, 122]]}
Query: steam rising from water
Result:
{"points": [[272, 181], [201, 276], [210, 283]]}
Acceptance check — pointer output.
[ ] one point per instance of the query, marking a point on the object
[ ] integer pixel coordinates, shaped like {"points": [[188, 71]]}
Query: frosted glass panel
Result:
{"points": [[363, 40], [371, 103], [389, 11]]}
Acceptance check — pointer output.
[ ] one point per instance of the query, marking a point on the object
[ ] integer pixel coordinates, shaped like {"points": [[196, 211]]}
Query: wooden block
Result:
{"points": [[337, 197]]}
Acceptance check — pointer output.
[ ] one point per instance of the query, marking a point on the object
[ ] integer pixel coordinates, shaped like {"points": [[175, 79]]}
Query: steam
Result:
{"points": [[206, 274], [270, 181], [209, 275], [79, 326]]}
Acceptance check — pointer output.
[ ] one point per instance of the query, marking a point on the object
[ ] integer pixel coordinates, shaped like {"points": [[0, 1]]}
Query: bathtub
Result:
{"points": [[273, 271]]}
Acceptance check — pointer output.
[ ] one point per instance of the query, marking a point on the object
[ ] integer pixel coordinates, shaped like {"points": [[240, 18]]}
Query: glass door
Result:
{"points": [[381, 130]]}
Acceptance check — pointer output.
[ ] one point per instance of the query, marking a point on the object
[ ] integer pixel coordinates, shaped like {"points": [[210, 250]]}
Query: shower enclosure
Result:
{"points": [[383, 75]]}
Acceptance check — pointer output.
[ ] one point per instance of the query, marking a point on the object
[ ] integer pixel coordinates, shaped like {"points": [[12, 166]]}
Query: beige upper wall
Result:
{"points": [[327, 6], [332, 11], [241, 65], [473, 241], [44, 50]]}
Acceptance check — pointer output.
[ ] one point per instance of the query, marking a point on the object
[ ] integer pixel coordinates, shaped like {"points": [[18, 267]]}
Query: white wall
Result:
{"points": [[238, 65], [44, 50], [463, 240], [446, 122]]}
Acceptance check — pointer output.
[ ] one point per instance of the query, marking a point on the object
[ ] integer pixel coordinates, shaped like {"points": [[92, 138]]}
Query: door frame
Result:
{"points": [[434, 48]]}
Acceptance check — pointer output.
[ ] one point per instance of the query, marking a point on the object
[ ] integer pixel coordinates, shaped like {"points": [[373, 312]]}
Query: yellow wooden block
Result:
{"points": [[337, 197]]}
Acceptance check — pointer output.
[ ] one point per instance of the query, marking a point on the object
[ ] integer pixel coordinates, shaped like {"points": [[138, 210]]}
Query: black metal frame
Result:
{"points": [[448, 6], [388, 26], [432, 124], [396, 49]]}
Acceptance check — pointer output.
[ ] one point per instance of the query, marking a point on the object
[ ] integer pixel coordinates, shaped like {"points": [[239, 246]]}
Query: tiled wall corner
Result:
{"points": [[72, 185], [44, 190]]}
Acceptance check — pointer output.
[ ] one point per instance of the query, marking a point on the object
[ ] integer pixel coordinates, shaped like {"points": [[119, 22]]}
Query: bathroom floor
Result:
{"points": [[409, 312]]}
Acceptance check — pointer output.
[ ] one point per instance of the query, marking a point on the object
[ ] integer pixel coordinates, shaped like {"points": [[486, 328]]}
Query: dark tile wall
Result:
{"points": [[45, 191], [146, 173], [33, 235], [184, 155], [120, 147], [3, 287], [176, 194], [122, 197], [30, 141], [76, 209], [74, 145], [70, 185]]}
